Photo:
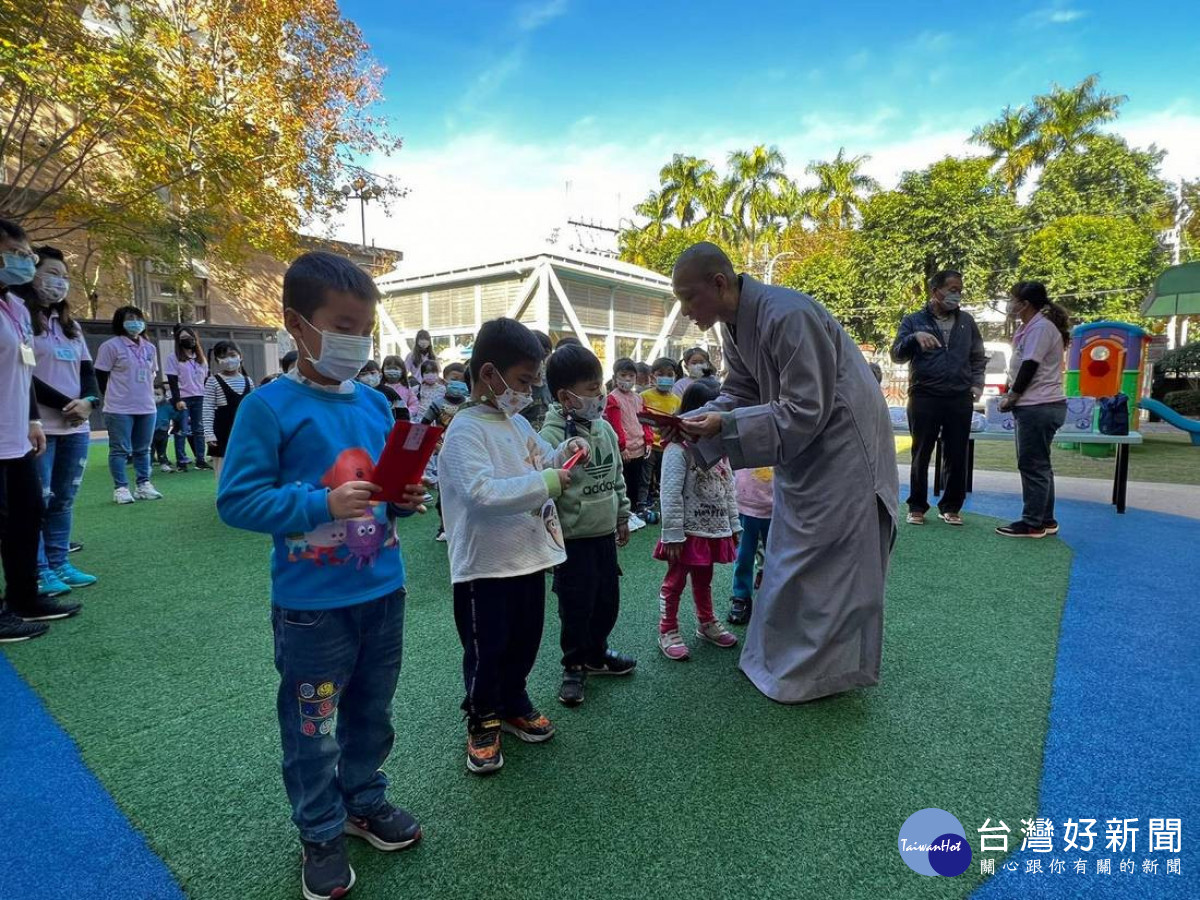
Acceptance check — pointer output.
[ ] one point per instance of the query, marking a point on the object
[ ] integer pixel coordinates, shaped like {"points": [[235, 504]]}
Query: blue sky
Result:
{"points": [[502, 104]]}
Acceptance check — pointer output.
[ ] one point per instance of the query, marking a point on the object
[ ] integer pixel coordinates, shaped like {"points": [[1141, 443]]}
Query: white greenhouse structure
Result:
{"points": [[616, 308]]}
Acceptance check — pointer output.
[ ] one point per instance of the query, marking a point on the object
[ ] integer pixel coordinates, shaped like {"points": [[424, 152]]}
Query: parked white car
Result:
{"points": [[995, 377]]}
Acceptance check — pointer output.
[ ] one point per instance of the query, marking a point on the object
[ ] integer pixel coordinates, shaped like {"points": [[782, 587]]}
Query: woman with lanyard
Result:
{"points": [[66, 390], [125, 367], [186, 371], [21, 442], [1038, 404]]}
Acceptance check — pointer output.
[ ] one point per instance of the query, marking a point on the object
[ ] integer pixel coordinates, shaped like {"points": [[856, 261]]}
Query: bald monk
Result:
{"points": [[800, 397]]}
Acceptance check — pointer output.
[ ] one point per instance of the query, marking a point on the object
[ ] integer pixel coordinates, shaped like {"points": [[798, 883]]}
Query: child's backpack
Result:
{"points": [[1114, 414]]}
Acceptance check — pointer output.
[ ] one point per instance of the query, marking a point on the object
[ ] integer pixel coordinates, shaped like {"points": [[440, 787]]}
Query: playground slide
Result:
{"points": [[1168, 415]]}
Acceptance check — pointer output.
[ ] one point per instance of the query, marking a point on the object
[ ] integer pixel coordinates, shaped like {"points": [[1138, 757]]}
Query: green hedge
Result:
{"points": [[1186, 403]]}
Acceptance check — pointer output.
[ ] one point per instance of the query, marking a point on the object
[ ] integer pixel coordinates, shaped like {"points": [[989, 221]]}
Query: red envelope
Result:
{"points": [[404, 458], [658, 420]]}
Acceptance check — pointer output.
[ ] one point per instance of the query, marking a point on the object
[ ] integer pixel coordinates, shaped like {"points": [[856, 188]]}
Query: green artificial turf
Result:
{"points": [[682, 778]]}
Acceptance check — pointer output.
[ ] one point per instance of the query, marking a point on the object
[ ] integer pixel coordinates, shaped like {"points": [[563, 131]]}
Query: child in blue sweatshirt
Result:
{"points": [[299, 466]]}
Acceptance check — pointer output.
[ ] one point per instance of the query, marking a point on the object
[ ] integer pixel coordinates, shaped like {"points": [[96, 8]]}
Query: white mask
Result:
{"points": [[696, 370], [231, 363], [393, 374], [625, 384], [342, 355], [511, 402], [590, 408], [51, 288], [370, 379]]}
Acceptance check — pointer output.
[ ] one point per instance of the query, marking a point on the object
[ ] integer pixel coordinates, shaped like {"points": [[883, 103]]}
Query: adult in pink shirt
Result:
{"points": [[756, 503], [187, 371], [622, 409], [1039, 406], [125, 366]]}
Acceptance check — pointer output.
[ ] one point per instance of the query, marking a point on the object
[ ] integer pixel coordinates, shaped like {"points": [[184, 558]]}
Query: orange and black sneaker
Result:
{"points": [[483, 746], [533, 728]]}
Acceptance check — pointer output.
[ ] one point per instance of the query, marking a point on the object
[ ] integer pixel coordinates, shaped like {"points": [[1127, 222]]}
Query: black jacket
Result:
{"points": [[952, 368]]}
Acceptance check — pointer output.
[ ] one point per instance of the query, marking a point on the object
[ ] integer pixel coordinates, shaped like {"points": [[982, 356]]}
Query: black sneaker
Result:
{"points": [[203, 466], [73, 547], [327, 874], [1051, 526], [739, 611], [14, 629], [571, 692], [483, 746], [614, 664], [1021, 530], [388, 828], [45, 609]]}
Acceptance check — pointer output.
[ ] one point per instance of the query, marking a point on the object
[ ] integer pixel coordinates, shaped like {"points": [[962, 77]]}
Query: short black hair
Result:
{"points": [[940, 278], [504, 343], [699, 393], [369, 366], [570, 365], [568, 339], [643, 368], [10, 229], [311, 276], [624, 364], [430, 365], [118, 319], [288, 360], [544, 340], [222, 349], [46, 252], [452, 368], [664, 362]]}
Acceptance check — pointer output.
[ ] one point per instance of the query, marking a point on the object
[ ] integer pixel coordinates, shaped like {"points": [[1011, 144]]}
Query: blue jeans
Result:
{"points": [[129, 436], [337, 673], [61, 469], [754, 530], [193, 427]]}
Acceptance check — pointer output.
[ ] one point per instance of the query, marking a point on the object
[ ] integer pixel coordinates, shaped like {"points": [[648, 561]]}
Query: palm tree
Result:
{"points": [[1015, 144], [717, 199], [684, 182], [1069, 116], [841, 189], [759, 175], [655, 208]]}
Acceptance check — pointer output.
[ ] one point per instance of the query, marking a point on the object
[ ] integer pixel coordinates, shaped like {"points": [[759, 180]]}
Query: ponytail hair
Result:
{"points": [[1034, 293]]}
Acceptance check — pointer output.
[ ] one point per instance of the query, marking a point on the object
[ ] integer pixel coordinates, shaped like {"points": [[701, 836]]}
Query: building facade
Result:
{"points": [[616, 308]]}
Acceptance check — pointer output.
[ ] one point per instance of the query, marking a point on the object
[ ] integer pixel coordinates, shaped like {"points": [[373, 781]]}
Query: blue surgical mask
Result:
{"points": [[18, 269], [456, 390], [665, 383], [134, 327]]}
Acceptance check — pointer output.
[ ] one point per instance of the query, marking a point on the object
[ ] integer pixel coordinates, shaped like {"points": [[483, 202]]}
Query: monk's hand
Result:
{"points": [[705, 426], [352, 499], [673, 551], [622, 534], [414, 498], [927, 341]]}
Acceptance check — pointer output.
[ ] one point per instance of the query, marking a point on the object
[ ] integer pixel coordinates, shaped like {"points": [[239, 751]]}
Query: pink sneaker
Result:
{"points": [[716, 633], [672, 646]]}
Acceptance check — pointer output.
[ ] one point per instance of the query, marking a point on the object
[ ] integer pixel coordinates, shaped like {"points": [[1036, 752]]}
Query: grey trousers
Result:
{"points": [[1035, 428]]}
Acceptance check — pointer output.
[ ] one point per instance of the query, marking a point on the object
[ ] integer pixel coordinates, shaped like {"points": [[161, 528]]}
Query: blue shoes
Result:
{"points": [[73, 578]]}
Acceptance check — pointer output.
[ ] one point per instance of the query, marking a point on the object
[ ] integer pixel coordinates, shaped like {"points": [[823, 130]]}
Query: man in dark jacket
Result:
{"points": [[946, 362]]}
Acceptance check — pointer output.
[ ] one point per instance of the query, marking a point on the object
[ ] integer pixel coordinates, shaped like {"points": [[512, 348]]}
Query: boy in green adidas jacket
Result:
{"points": [[594, 513]]}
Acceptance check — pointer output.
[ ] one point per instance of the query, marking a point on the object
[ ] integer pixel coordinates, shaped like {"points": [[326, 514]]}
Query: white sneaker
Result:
{"points": [[635, 523], [147, 491], [166, 468], [121, 495]]}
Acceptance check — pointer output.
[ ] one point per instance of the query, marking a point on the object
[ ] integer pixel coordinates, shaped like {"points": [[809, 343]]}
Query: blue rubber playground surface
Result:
{"points": [[1123, 742]]}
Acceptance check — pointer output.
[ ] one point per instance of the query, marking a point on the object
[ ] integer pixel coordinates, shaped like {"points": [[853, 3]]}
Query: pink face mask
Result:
{"points": [[429, 378]]}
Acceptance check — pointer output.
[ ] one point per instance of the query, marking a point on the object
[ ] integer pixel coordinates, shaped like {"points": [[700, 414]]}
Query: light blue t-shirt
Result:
{"points": [[291, 444]]}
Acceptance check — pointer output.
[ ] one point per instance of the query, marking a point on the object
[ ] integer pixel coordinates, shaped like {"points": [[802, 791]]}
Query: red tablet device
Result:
{"points": [[404, 458]]}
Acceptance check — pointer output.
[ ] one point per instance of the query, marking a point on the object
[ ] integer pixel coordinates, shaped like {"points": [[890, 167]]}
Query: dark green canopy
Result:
{"points": [[1176, 293]]}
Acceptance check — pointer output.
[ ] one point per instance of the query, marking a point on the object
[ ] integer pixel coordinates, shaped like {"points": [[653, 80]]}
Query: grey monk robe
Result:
{"points": [[799, 396]]}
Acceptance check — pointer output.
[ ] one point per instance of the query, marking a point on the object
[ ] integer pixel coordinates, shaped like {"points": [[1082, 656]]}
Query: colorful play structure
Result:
{"points": [[1176, 293], [1107, 358]]}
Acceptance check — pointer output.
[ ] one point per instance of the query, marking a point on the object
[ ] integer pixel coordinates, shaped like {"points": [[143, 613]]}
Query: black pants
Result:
{"points": [[588, 586], [20, 530], [158, 447], [929, 417], [499, 622], [634, 470], [1035, 429]]}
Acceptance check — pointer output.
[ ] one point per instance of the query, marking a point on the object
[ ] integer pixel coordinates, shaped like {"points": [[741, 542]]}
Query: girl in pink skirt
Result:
{"points": [[700, 529]]}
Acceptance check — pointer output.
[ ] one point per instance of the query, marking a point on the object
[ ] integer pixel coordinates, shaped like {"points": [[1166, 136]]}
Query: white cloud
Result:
{"points": [[484, 195], [1055, 14], [532, 16]]}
